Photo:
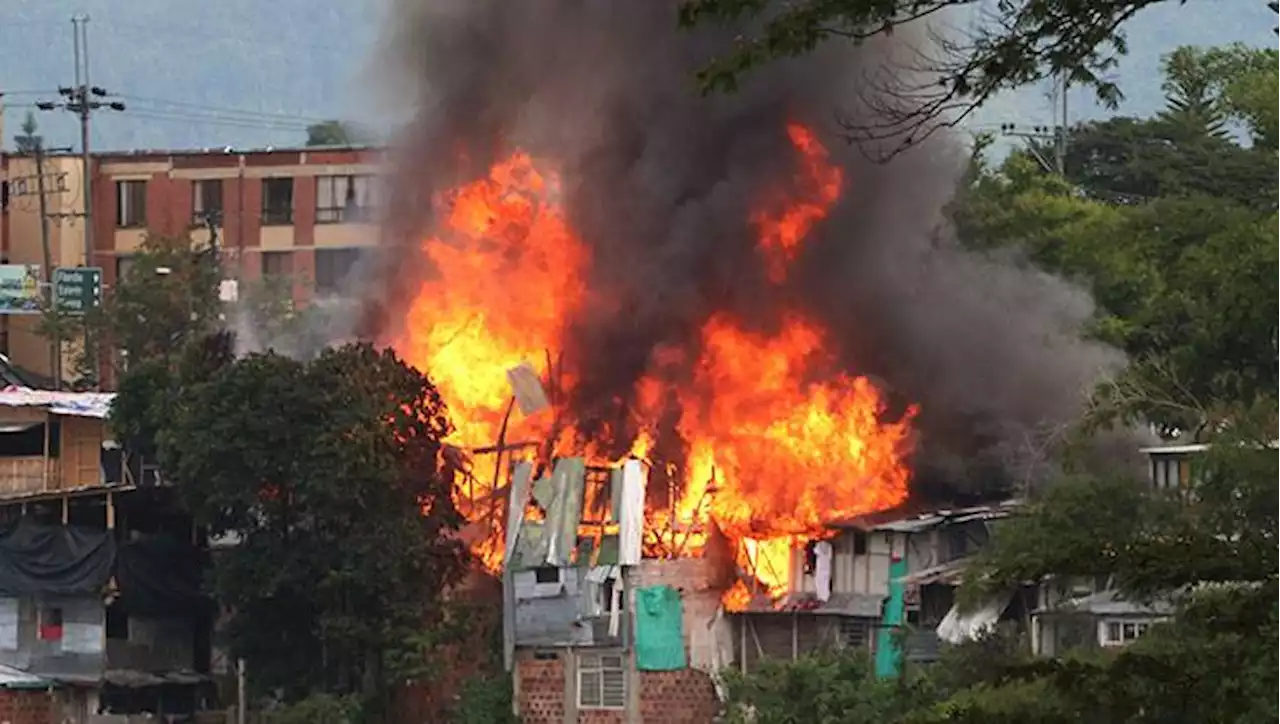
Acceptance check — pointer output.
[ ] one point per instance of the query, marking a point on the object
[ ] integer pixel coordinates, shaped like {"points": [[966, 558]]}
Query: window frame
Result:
{"points": [[50, 623], [598, 665], [331, 210], [199, 198], [128, 206], [271, 215], [1127, 630], [321, 270], [124, 262], [286, 256]]}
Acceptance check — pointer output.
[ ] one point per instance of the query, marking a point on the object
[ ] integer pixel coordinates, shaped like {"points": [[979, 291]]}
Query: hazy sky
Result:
{"points": [[248, 73]]}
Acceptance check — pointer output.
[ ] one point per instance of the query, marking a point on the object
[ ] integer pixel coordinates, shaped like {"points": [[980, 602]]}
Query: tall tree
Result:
{"points": [[28, 141], [330, 473], [1192, 108], [330, 133], [1009, 45], [166, 297]]}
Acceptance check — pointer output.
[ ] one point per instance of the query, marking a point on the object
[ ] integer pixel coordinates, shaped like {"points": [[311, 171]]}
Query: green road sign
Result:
{"points": [[78, 289]]}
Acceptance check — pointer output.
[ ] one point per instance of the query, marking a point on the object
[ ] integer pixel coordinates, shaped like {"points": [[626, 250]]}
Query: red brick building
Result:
{"points": [[302, 213]]}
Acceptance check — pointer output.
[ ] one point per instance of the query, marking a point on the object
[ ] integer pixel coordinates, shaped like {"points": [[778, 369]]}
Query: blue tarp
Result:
{"points": [[659, 630]]}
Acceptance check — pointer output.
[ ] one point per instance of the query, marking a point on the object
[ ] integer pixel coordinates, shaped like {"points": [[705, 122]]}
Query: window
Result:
{"points": [[332, 268], [855, 633], [206, 199], [602, 682], [343, 198], [131, 204], [117, 623], [546, 574], [49, 623], [1118, 632], [859, 543], [277, 263], [123, 265], [277, 201]]}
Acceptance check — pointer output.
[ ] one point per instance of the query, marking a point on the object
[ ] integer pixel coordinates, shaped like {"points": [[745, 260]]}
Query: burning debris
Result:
{"points": [[772, 326], [778, 438]]}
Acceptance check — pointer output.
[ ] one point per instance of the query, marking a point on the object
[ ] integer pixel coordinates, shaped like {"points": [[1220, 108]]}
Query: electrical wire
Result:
{"points": [[166, 105]]}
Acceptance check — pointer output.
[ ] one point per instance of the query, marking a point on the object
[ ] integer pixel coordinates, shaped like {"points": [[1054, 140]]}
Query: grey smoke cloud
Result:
{"points": [[659, 181]]}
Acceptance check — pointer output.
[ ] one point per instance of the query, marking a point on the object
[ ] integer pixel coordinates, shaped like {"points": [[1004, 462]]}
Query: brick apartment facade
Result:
{"points": [[301, 213]]}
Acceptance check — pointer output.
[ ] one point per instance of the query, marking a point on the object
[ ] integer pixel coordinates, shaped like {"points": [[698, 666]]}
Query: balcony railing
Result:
{"points": [[32, 474], [29, 474]]}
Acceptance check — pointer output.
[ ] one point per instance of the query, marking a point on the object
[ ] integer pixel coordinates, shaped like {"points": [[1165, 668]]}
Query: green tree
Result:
{"points": [[1021, 42], [330, 473], [167, 297], [330, 133], [827, 687], [28, 141], [1193, 109]]}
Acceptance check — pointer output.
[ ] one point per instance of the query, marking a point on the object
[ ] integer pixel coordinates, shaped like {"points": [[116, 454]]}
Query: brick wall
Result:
{"points": [[665, 697], [541, 696], [25, 706]]}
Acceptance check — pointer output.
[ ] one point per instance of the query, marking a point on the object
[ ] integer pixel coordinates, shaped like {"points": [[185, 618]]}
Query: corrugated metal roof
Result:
{"points": [[12, 678], [902, 521], [840, 604], [1111, 603]]}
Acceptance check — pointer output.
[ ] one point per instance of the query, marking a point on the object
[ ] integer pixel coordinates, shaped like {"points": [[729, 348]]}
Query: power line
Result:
{"points": [[83, 99], [183, 106], [153, 115]]}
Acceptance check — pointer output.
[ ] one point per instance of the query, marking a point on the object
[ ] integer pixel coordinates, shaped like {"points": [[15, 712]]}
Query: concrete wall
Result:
{"points": [[80, 652]]}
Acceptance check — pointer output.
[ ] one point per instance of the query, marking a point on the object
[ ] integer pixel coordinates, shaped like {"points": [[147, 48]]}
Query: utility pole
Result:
{"points": [[1062, 130], [1056, 133], [55, 345], [82, 99]]}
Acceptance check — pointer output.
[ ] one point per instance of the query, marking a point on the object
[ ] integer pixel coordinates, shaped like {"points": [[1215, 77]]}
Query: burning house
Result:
{"points": [[744, 341]]}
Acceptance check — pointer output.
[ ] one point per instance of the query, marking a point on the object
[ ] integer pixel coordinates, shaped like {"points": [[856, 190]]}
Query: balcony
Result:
{"points": [[27, 474]]}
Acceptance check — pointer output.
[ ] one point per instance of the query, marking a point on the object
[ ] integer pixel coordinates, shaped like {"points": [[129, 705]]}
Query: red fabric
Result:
{"points": [[51, 633]]}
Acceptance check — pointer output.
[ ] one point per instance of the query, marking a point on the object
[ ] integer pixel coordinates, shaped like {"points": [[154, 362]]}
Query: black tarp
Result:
{"points": [[53, 560], [158, 575]]}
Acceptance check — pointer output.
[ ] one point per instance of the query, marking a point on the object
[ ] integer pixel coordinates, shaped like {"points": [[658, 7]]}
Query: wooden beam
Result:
{"points": [[47, 423]]}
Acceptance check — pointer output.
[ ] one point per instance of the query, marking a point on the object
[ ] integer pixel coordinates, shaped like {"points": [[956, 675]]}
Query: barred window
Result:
{"points": [[602, 682]]}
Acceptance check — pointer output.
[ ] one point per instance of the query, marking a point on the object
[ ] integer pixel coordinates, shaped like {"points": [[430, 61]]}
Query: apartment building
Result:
{"points": [[304, 214]]}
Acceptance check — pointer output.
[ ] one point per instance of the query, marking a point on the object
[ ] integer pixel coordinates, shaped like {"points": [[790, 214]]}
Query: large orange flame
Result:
{"points": [[780, 440]]}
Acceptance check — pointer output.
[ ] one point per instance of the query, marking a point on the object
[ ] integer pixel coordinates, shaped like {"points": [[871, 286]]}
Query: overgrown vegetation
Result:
{"points": [[1162, 219]]}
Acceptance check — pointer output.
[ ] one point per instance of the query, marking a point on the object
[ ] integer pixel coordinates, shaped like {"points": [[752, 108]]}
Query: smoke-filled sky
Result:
{"points": [[660, 182]]}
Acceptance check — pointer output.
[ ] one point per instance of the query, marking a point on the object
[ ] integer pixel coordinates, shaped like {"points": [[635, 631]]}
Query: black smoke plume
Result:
{"points": [[660, 181]]}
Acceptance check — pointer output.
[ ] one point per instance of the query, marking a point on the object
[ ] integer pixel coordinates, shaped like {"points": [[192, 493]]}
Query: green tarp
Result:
{"points": [[888, 657], [659, 629]]}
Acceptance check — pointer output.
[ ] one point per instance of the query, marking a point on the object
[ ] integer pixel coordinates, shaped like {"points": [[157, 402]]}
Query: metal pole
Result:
{"points": [[87, 182], [241, 704], [55, 345], [1062, 131]]}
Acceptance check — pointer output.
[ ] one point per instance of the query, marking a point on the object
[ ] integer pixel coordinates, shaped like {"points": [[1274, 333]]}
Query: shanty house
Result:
{"points": [[595, 631], [876, 573], [1086, 612], [100, 589]]}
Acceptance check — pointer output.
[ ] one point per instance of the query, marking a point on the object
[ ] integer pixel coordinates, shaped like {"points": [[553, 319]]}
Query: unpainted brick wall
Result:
{"points": [[666, 697], [677, 697], [29, 706], [541, 693]]}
